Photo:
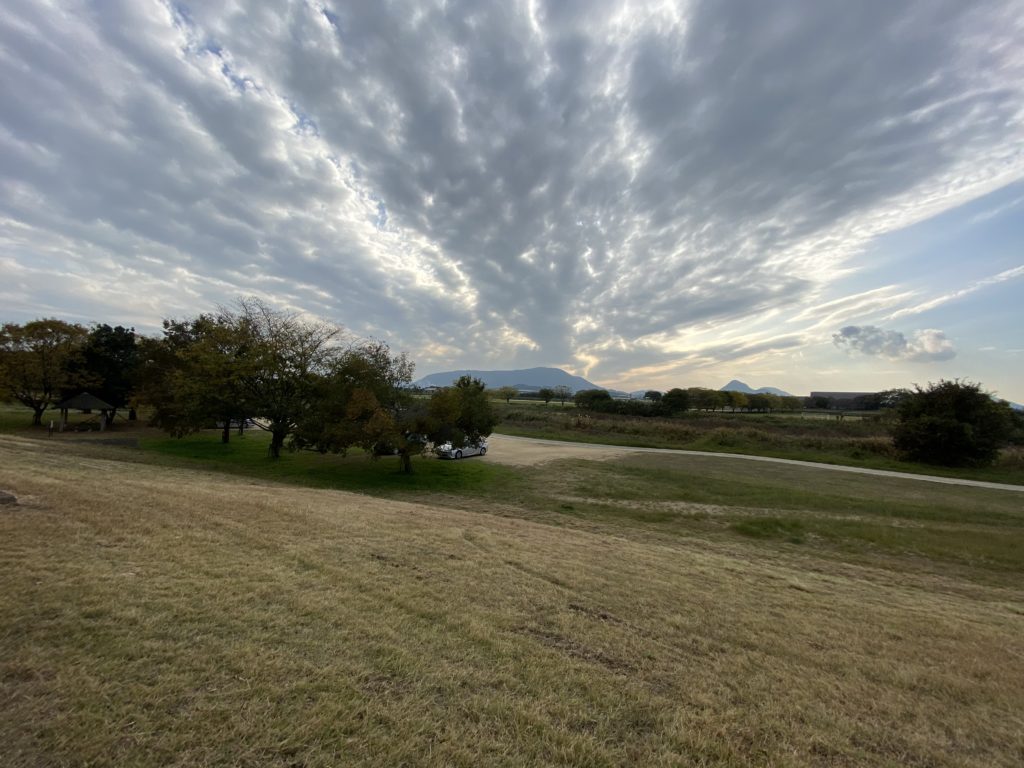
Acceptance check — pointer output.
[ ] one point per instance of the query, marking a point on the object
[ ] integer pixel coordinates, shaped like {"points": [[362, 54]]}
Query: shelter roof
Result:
{"points": [[85, 402]]}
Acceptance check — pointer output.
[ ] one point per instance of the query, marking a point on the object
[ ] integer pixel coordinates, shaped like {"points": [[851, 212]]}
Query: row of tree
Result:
{"points": [[677, 401], [547, 394], [306, 383]]}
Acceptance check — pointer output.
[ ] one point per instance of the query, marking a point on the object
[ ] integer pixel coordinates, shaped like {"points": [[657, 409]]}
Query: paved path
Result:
{"points": [[531, 450]]}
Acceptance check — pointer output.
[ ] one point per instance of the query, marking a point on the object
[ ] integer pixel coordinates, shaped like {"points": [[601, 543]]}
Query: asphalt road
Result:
{"points": [[528, 450]]}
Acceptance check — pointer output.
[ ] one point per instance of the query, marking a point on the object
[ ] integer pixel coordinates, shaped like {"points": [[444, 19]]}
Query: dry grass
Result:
{"points": [[154, 615]]}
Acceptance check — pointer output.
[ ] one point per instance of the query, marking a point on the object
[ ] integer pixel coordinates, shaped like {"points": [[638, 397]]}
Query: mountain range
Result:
{"points": [[738, 386], [523, 379], [532, 379]]}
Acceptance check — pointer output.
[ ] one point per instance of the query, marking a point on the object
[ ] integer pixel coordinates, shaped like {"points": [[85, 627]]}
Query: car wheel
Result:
{"points": [[458, 454], [483, 451]]}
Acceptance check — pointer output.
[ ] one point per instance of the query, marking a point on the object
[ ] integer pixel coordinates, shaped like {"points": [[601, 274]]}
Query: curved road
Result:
{"points": [[532, 450]]}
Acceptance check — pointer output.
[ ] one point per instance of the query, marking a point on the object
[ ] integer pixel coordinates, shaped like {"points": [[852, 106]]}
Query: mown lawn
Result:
{"points": [[356, 471], [662, 495], [163, 614]]}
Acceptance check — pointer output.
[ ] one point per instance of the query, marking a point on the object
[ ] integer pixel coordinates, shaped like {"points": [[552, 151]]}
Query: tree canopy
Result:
{"points": [[109, 360], [40, 361]]}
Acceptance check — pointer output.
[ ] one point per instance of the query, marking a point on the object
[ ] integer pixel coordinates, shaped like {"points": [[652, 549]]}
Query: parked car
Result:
{"points": [[448, 451]]}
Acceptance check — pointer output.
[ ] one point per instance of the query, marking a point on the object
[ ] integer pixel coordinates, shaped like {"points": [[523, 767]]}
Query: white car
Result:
{"points": [[448, 451]]}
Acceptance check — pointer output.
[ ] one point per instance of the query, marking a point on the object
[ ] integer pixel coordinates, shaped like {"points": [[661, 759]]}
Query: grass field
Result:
{"points": [[861, 440], [638, 612]]}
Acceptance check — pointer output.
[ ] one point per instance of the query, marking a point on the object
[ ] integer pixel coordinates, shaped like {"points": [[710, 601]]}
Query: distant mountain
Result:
{"points": [[524, 379], [738, 386]]}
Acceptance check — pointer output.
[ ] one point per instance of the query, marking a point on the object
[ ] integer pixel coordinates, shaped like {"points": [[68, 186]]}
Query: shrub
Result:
{"points": [[952, 423]]}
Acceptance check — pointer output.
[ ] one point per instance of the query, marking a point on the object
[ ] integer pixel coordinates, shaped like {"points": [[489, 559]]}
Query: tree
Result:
{"points": [[365, 401], [562, 393], [547, 394], [704, 399], [39, 360], [284, 357], [592, 399], [891, 398], [675, 401], [460, 414], [507, 393], [792, 403], [653, 395], [758, 401], [952, 423], [737, 400], [193, 376], [110, 359]]}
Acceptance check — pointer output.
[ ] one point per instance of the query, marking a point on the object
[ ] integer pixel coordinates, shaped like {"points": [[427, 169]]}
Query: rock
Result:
{"points": [[6, 497]]}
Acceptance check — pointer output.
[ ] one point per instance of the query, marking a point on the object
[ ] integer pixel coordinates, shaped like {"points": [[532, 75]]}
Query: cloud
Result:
{"points": [[977, 285], [925, 346], [489, 183]]}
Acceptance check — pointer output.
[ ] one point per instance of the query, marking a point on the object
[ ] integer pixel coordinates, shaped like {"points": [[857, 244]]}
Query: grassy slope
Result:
{"points": [[162, 615]]}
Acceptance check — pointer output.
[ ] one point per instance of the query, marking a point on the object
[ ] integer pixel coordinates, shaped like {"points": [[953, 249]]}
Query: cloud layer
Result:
{"points": [[606, 186], [925, 346]]}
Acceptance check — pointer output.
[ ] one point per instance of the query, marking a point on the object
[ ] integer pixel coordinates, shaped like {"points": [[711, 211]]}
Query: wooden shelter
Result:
{"points": [[86, 403]]}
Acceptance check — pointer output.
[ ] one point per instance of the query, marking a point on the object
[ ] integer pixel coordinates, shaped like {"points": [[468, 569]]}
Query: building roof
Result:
{"points": [[85, 402]]}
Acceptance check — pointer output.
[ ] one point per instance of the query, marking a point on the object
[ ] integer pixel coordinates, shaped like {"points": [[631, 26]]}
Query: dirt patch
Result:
{"points": [[524, 452], [576, 649]]}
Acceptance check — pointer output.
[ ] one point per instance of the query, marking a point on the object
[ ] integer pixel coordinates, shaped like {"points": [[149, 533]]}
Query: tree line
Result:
{"points": [[307, 383], [951, 423], [677, 401]]}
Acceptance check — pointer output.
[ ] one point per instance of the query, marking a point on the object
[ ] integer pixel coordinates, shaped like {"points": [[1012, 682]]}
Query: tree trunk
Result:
{"points": [[276, 442], [225, 435], [37, 416], [405, 460], [132, 415]]}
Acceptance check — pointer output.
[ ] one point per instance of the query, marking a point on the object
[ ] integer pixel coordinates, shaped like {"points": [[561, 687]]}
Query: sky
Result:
{"points": [[812, 194]]}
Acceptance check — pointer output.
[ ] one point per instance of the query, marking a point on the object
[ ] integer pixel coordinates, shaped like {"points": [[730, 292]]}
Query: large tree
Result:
{"points": [[365, 401], [193, 376], [40, 360], [286, 357], [460, 414], [953, 423], [110, 360]]}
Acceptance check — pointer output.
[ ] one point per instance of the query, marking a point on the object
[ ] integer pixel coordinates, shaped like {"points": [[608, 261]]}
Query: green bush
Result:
{"points": [[952, 423]]}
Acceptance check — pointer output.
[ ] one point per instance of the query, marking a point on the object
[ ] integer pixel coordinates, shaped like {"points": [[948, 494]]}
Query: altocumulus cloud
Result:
{"points": [[513, 182], [928, 345]]}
